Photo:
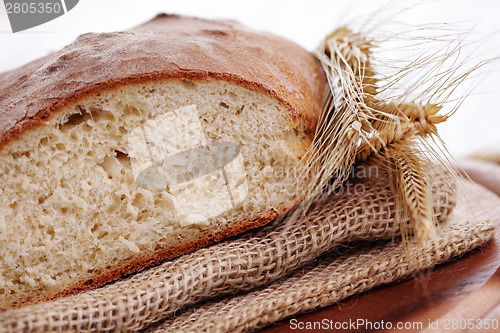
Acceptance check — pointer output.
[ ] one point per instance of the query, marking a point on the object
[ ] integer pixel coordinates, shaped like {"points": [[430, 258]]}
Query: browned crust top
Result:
{"points": [[167, 47]]}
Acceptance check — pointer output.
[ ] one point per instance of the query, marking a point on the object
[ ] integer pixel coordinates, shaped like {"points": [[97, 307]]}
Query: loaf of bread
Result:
{"points": [[125, 149]]}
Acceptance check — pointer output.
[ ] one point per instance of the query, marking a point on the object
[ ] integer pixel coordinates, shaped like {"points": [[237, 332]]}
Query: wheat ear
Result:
{"points": [[395, 148], [344, 119], [409, 176], [374, 114], [356, 123], [411, 179], [413, 120]]}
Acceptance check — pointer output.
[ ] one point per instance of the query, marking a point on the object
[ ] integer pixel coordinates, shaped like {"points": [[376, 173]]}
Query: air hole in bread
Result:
{"points": [[187, 84], [42, 199], [78, 118]]}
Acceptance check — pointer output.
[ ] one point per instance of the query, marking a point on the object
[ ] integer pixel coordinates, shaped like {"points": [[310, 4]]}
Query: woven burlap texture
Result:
{"points": [[365, 210], [333, 278]]}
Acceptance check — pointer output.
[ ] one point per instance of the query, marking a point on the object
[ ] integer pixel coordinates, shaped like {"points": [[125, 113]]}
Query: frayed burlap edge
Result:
{"points": [[365, 210]]}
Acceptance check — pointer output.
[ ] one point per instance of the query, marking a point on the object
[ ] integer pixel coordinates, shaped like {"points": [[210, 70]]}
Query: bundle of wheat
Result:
{"points": [[359, 123]]}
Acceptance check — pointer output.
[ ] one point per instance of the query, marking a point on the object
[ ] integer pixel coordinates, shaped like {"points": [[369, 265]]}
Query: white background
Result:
{"points": [[473, 128]]}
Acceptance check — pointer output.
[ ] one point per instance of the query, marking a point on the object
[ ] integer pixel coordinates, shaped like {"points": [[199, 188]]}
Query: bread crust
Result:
{"points": [[167, 47]]}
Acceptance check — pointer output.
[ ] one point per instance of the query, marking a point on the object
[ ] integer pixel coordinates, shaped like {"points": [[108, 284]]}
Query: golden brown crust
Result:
{"points": [[167, 47]]}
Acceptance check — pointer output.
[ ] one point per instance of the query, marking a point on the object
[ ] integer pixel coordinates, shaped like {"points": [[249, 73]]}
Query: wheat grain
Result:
{"points": [[414, 185], [391, 135]]}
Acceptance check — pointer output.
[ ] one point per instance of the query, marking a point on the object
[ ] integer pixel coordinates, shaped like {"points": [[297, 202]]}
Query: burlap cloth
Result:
{"points": [[275, 272]]}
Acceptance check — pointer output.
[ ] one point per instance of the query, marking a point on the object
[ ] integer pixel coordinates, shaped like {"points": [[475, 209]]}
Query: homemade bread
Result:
{"points": [[87, 133]]}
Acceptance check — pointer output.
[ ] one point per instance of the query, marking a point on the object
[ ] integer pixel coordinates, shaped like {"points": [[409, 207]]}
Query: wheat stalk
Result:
{"points": [[356, 124], [374, 114], [397, 152], [395, 148], [345, 57]]}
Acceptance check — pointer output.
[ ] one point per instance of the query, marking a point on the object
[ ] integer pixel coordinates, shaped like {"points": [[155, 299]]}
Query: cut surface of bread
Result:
{"points": [[73, 214]]}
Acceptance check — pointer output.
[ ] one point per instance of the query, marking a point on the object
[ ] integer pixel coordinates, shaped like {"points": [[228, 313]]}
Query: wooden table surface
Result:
{"points": [[465, 289]]}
